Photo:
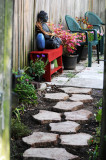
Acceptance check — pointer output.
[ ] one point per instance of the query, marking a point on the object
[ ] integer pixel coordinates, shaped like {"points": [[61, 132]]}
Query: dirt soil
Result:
{"points": [[18, 147]]}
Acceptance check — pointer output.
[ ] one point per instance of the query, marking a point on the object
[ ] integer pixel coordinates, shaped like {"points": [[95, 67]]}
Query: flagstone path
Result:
{"points": [[64, 124]]}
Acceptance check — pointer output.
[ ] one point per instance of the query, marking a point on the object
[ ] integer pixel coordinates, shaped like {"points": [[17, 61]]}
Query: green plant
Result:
{"points": [[37, 68], [69, 41], [70, 75], [83, 22], [99, 104], [18, 129], [95, 141], [18, 111], [93, 154], [26, 90]]}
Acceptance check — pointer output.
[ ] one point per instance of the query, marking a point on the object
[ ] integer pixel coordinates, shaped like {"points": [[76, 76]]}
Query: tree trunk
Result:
{"points": [[103, 127], [6, 10]]}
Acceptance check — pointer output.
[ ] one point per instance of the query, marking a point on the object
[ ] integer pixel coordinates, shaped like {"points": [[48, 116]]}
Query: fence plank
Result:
{"points": [[6, 50]]}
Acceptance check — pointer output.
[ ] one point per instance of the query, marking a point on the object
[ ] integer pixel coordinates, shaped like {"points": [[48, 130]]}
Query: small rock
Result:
{"points": [[42, 86]]}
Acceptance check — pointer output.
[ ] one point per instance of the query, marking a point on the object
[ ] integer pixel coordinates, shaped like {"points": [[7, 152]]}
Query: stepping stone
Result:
{"points": [[68, 106], [65, 127], [56, 96], [80, 115], [81, 97], [49, 153], [41, 138], [47, 116], [76, 140], [73, 90]]}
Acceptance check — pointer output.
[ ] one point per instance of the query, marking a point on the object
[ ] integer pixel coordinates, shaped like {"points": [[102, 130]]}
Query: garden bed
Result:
{"points": [[18, 147]]}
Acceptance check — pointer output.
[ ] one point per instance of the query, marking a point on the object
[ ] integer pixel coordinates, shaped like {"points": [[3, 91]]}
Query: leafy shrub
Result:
{"points": [[26, 90], [93, 154], [18, 129], [37, 68]]}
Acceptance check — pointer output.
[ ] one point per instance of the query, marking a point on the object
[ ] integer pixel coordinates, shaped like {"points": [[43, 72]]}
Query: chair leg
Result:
{"points": [[97, 46], [102, 45], [89, 54]]}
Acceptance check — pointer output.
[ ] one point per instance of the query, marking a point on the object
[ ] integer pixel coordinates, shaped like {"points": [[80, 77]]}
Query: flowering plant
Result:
{"points": [[83, 22], [37, 68], [85, 25], [69, 41]]}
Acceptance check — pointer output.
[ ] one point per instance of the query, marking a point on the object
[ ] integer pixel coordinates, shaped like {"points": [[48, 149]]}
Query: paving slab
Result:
{"points": [[41, 139], [76, 140], [81, 97], [47, 116], [74, 90], [65, 127], [80, 115], [90, 77], [58, 80], [56, 96], [85, 82], [49, 153], [68, 106]]}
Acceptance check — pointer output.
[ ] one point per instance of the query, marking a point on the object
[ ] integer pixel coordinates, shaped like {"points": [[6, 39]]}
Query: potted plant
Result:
{"points": [[69, 43], [37, 68], [83, 22]]}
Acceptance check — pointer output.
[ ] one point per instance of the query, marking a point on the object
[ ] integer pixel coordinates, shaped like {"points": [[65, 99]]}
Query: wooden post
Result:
{"points": [[6, 9], [103, 128]]}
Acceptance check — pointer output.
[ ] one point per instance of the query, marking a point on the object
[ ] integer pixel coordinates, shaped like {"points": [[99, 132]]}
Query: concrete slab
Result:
{"points": [[85, 82], [90, 77], [73, 90], [68, 106], [49, 153], [76, 140], [65, 127], [81, 97], [80, 115], [58, 81], [56, 96], [47, 116], [38, 139]]}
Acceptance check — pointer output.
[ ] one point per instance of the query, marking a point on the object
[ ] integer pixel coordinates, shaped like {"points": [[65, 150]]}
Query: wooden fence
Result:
{"points": [[25, 14]]}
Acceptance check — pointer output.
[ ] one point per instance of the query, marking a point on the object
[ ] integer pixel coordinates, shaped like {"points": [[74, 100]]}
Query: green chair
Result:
{"points": [[97, 23], [74, 27]]}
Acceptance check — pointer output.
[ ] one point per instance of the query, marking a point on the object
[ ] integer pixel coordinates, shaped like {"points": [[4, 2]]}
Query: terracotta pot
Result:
{"points": [[70, 62]]}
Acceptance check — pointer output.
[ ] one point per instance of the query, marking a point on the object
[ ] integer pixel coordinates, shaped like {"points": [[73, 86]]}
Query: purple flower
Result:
{"points": [[43, 55], [100, 107], [27, 80], [38, 56]]}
